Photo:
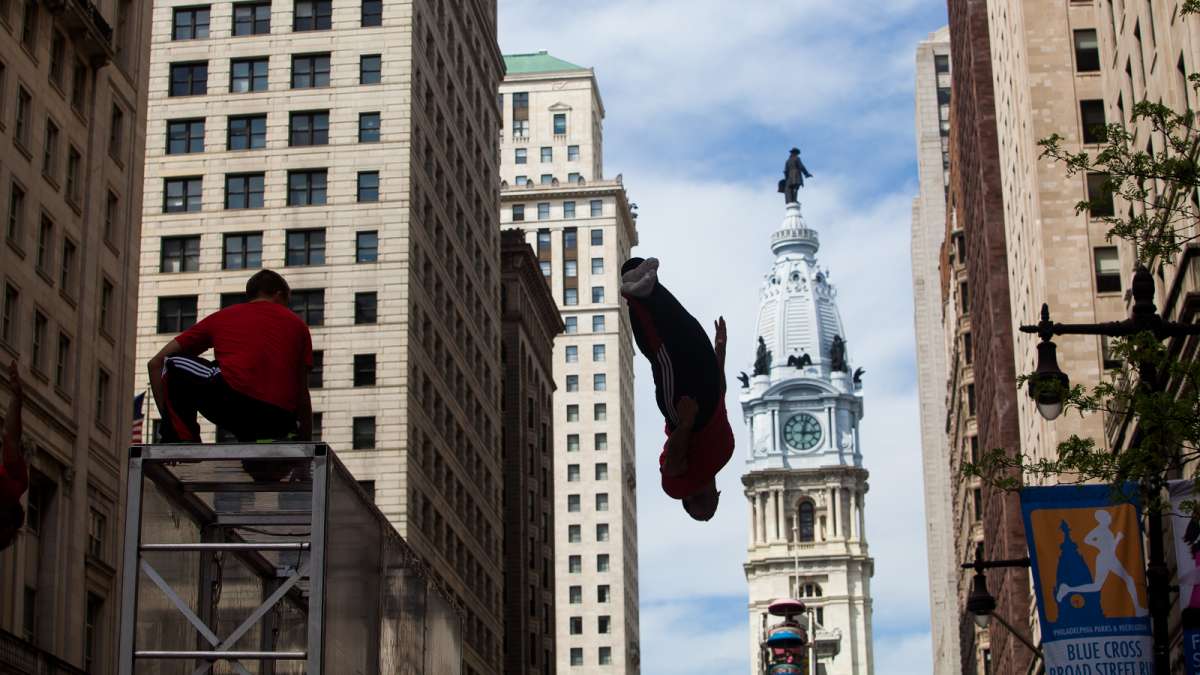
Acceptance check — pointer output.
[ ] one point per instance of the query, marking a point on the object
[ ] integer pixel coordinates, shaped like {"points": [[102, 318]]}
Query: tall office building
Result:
{"points": [[349, 145], [72, 120], [1023, 71], [804, 474], [582, 229], [928, 232], [529, 322]]}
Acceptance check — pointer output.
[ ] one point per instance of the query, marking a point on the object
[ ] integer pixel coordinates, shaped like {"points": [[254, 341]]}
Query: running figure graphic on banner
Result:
{"points": [[1103, 540]]}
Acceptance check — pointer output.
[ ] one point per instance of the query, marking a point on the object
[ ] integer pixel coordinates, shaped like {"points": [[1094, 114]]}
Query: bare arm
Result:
{"points": [[304, 409], [12, 419], [155, 366], [675, 460], [719, 343]]}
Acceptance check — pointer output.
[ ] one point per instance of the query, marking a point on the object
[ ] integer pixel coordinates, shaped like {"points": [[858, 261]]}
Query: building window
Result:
{"points": [[372, 13], [79, 82], [107, 292], [543, 210], [576, 621], [251, 18], [364, 370], [365, 308], [572, 473], [601, 441], [58, 53], [574, 178], [518, 213], [368, 186], [247, 132], [574, 534], [104, 396], [577, 652], [309, 305], [598, 323], [520, 156], [602, 591], [92, 617], [185, 136], [547, 155], [310, 70], [573, 504], [568, 209], [370, 69], [176, 314], [1108, 269], [29, 22], [73, 162], [597, 294], [312, 15], [570, 268], [180, 254], [572, 153], [570, 323], [189, 79], [242, 251], [363, 433], [307, 188], [544, 265], [1108, 359], [572, 383], [316, 376], [573, 439], [806, 521], [50, 150], [308, 128], [62, 362], [977, 501], [570, 296], [597, 235], [598, 353], [368, 127], [606, 656], [182, 195], [1087, 51], [366, 247], [520, 114], [44, 241], [603, 624], [968, 352], [318, 427], [112, 216], [244, 191], [602, 501], [601, 467], [1099, 195], [597, 265], [230, 299], [22, 123], [38, 346], [305, 247], [560, 124], [599, 382], [1091, 114], [522, 181], [248, 75], [8, 327], [597, 206], [572, 353], [191, 23], [547, 179], [971, 399]]}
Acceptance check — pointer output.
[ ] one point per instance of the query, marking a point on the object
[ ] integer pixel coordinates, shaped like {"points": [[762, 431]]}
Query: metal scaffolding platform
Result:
{"points": [[269, 559]]}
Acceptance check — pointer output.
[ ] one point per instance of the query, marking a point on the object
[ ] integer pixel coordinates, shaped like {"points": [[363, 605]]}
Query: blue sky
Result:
{"points": [[703, 99]]}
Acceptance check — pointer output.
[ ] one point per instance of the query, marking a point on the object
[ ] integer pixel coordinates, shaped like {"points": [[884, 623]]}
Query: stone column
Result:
{"points": [[753, 530], [833, 513]]}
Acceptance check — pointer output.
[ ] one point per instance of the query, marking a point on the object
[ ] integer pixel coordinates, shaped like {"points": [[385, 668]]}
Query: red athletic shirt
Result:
{"points": [[14, 480], [262, 349], [709, 450]]}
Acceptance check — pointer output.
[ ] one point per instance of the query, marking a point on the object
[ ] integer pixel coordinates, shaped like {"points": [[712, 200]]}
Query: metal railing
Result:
{"points": [[19, 657]]}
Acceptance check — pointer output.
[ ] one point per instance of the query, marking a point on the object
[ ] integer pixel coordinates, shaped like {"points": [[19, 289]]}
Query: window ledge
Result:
{"points": [[112, 247], [49, 178], [62, 393], [11, 349], [80, 115], [73, 202], [12, 243], [45, 276], [116, 160], [107, 336], [100, 425], [67, 297], [37, 373], [20, 146]]}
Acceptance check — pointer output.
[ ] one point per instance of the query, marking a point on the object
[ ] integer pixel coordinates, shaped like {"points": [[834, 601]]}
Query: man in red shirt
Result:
{"points": [[257, 388], [689, 387], [14, 475]]}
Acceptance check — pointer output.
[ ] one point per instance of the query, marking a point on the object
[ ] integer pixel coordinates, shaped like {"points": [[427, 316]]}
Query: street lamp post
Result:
{"points": [[980, 602], [1048, 387]]}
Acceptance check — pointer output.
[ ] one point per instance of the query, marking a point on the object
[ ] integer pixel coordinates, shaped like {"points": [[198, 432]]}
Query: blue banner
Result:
{"points": [[1185, 524], [1089, 577]]}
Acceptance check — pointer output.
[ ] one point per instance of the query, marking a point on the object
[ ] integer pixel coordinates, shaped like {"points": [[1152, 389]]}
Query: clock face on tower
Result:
{"points": [[802, 432]]}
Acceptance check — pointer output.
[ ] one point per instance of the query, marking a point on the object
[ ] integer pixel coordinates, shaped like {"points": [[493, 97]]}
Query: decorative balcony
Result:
{"points": [[19, 656], [83, 20]]}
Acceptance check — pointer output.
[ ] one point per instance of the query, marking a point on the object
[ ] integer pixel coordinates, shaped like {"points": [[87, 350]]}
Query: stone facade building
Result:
{"points": [[804, 475], [349, 145], [529, 322], [928, 233], [582, 228], [72, 122]]}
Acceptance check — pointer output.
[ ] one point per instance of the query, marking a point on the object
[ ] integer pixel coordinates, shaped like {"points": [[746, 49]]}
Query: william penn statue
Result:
{"points": [[794, 173]]}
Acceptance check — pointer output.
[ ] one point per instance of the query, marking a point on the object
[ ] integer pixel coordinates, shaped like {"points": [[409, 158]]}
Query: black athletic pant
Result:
{"points": [[680, 353], [194, 385]]}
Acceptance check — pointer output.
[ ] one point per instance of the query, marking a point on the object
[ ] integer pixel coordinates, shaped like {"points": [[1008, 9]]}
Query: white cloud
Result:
{"points": [[686, 640]]}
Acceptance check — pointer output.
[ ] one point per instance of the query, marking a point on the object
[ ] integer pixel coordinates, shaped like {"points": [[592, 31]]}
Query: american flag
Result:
{"points": [[138, 419]]}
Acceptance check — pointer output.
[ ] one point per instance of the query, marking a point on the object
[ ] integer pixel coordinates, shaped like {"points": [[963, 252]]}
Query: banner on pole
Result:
{"points": [[1089, 576], [1185, 527]]}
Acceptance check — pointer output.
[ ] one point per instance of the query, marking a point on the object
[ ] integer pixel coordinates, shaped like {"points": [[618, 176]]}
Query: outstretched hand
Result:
{"points": [[721, 337]]}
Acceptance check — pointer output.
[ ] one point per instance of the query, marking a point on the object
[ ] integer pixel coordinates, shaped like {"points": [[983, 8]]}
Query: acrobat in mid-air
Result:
{"points": [[689, 387]]}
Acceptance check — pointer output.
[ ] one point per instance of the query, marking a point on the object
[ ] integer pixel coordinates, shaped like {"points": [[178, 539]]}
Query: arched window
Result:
{"points": [[806, 520]]}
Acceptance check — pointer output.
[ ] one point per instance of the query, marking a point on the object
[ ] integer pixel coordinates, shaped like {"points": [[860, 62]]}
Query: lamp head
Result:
{"points": [[980, 602], [1049, 384]]}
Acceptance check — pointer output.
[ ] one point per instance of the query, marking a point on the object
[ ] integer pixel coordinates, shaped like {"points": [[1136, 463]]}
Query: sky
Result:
{"points": [[703, 100]]}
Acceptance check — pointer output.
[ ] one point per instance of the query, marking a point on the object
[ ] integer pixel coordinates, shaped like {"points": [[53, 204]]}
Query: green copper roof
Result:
{"points": [[538, 62]]}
